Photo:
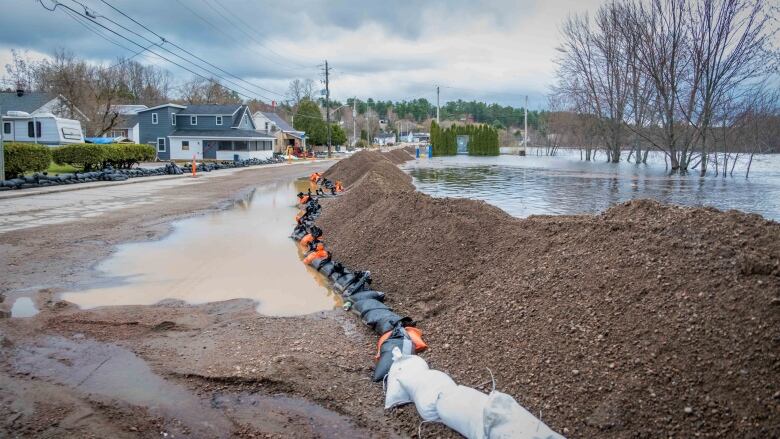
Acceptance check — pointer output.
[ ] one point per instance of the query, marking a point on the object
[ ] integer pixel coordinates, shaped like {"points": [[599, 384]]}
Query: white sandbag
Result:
{"points": [[461, 408], [395, 394], [424, 388], [504, 418]]}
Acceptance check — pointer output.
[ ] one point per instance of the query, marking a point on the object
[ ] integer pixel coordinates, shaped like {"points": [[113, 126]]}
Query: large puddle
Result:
{"points": [[243, 252]]}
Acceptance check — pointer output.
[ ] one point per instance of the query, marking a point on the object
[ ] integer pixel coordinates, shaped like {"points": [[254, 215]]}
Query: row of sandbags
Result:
{"points": [[409, 379], [110, 174]]}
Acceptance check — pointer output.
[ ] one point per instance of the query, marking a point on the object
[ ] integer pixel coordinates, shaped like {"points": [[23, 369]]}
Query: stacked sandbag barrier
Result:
{"points": [[111, 174], [408, 378]]}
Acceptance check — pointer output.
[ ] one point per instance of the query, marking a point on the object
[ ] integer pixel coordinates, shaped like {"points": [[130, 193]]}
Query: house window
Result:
{"points": [[161, 144], [240, 145], [219, 120], [154, 119], [33, 132], [6, 127], [266, 126], [193, 120], [173, 119], [185, 145], [225, 145]]}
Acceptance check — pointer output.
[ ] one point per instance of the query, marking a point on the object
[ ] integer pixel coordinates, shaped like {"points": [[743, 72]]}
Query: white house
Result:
{"points": [[40, 118], [286, 136], [384, 139]]}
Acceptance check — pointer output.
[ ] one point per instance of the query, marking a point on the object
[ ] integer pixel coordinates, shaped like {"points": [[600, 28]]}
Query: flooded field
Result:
{"points": [[242, 252], [537, 185]]}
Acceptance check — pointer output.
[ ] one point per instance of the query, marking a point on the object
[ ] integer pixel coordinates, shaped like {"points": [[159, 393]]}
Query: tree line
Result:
{"points": [[689, 78], [482, 139]]}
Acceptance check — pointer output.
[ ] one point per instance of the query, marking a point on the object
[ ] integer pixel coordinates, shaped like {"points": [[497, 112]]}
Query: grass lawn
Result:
{"points": [[58, 169], [61, 169]]}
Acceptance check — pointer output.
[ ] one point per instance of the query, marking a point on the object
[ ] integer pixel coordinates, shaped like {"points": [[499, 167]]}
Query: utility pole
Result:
{"points": [[327, 107], [437, 105], [354, 121]]}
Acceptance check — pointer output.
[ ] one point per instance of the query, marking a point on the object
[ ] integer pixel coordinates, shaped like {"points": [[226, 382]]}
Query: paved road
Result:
{"points": [[61, 207]]}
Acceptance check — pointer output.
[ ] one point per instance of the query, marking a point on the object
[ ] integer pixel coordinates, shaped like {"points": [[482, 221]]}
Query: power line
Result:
{"points": [[249, 32], [141, 46], [164, 40], [92, 17]]}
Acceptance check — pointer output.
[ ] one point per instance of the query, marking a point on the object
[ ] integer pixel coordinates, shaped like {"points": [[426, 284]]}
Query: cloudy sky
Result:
{"points": [[495, 51]]}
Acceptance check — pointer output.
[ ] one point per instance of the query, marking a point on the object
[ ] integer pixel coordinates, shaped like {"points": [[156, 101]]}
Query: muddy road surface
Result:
{"points": [[171, 369]]}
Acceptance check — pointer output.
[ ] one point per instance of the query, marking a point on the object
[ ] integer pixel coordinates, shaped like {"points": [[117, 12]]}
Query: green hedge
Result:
{"points": [[25, 157], [483, 139], [90, 156]]}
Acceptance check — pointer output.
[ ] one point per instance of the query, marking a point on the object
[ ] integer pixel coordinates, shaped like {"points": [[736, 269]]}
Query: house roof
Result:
{"points": [[128, 108], [279, 122], [28, 102], [163, 106], [126, 121], [240, 115], [210, 109], [224, 134]]}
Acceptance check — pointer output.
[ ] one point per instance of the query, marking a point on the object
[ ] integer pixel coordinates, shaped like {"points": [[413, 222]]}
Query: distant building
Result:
{"points": [[126, 124], [384, 139], [285, 134], [217, 132], [36, 117], [412, 137]]}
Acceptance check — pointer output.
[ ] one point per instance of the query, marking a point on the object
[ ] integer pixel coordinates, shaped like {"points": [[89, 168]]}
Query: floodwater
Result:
{"points": [[539, 185], [242, 252], [105, 370]]}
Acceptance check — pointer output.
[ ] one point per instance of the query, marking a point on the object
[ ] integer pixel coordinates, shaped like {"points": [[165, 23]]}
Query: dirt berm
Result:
{"points": [[648, 320]]}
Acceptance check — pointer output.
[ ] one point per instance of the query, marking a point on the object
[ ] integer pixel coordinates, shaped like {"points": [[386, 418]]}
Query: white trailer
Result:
{"points": [[42, 128]]}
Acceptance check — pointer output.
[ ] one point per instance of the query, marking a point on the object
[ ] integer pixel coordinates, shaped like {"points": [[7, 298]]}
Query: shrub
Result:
{"points": [[87, 156], [125, 155], [25, 157], [91, 156]]}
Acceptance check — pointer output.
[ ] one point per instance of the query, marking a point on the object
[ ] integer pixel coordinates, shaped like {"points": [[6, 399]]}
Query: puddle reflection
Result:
{"points": [[243, 252]]}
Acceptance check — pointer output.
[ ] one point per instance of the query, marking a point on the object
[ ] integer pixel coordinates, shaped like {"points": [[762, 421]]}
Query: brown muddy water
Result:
{"points": [[242, 252]]}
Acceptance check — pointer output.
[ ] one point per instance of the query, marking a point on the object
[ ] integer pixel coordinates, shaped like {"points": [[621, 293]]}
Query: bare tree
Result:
{"points": [[300, 90]]}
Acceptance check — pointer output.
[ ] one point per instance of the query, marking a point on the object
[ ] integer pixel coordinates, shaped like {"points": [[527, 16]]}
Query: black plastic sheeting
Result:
{"points": [[110, 174]]}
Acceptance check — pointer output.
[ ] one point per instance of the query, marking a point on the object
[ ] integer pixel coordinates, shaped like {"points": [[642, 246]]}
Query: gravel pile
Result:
{"points": [[648, 320]]}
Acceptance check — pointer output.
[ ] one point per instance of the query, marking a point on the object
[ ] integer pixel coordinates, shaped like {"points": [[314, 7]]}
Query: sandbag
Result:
{"points": [[383, 320], [395, 395], [415, 334], [363, 306], [504, 418], [424, 387], [362, 283], [327, 268], [462, 409], [342, 282], [399, 340], [317, 263], [366, 294]]}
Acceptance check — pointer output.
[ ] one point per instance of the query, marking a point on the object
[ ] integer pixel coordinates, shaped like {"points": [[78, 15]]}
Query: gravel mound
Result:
{"points": [[648, 320], [398, 156], [350, 170]]}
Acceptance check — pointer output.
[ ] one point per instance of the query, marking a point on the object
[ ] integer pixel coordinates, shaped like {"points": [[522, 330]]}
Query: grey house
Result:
{"points": [[216, 132]]}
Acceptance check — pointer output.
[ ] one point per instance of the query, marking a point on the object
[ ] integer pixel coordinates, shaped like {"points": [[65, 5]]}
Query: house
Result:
{"points": [[126, 124], [384, 139], [286, 135], [216, 132], [412, 137], [40, 118]]}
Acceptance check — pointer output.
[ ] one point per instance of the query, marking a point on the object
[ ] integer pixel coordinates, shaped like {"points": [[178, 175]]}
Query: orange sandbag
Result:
{"points": [[415, 334], [320, 253], [303, 200], [339, 187], [315, 176]]}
